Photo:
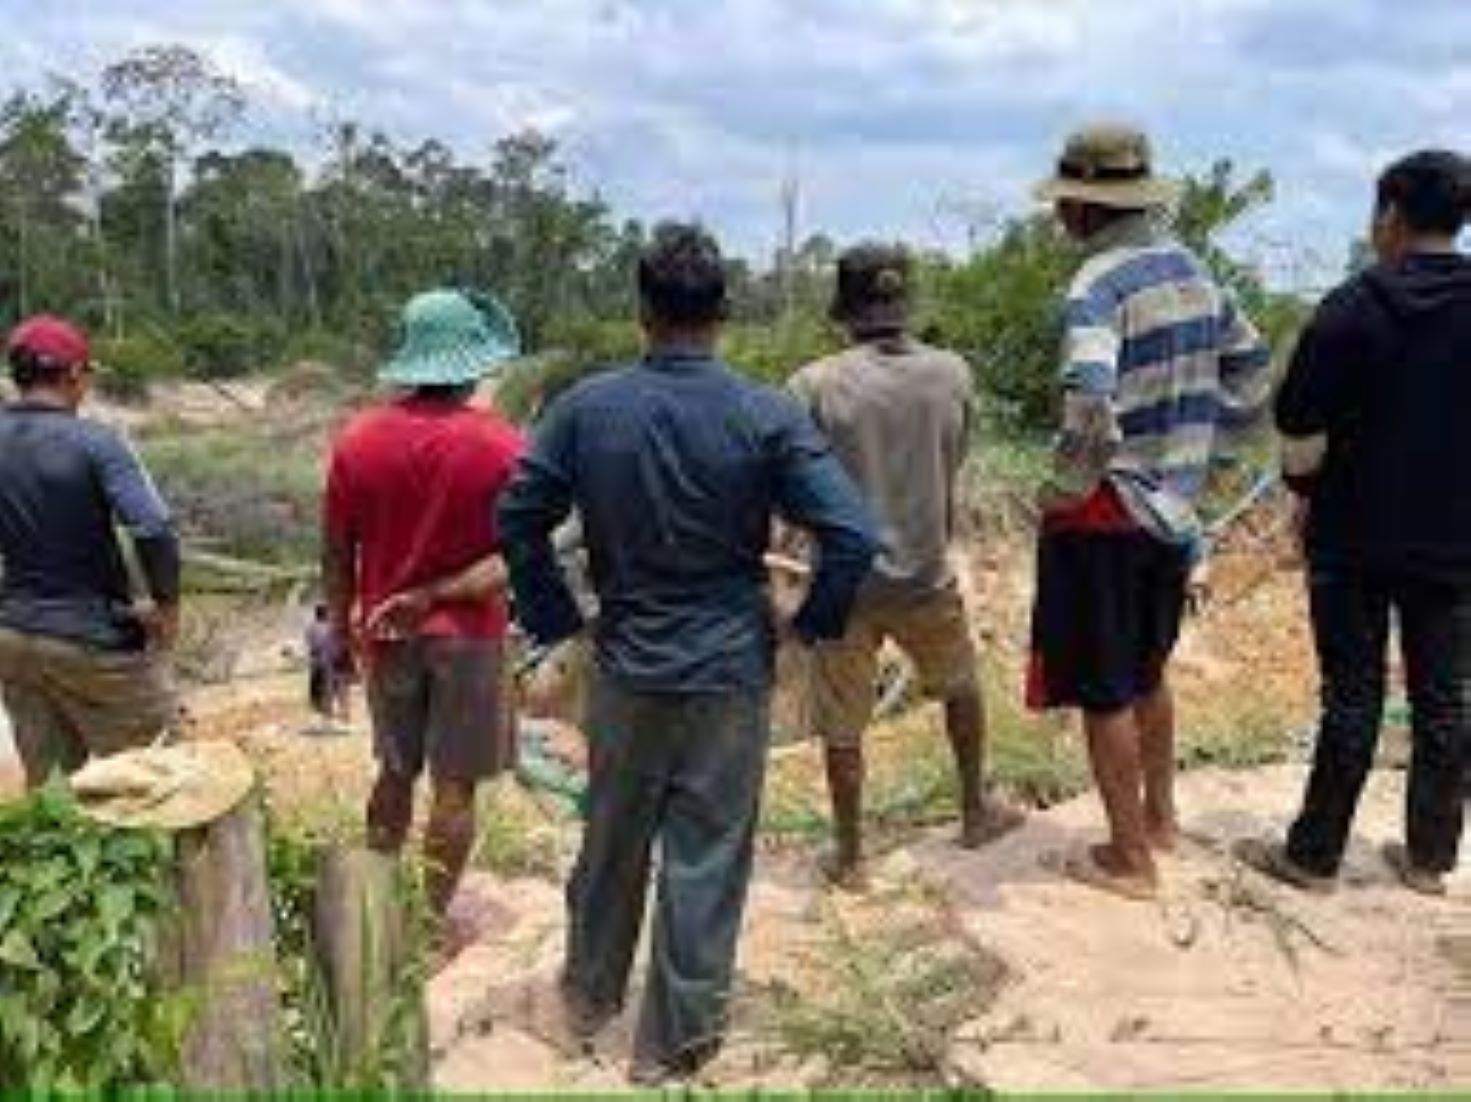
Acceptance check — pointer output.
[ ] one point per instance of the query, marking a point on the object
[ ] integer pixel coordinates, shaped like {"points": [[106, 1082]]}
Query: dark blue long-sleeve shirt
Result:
{"points": [[677, 466], [66, 482]]}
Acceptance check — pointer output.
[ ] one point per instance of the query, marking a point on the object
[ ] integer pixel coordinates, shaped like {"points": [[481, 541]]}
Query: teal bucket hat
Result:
{"points": [[451, 338]]}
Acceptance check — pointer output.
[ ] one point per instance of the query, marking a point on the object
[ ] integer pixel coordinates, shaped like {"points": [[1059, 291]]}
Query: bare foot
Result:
{"points": [[846, 876], [1111, 859], [1164, 836], [1102, 867], [990, 821], [455, 934]]}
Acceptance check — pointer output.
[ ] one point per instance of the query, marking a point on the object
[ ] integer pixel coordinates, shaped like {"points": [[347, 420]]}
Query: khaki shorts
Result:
{"points": [[69, 702], [933, 631], [444, 703]]}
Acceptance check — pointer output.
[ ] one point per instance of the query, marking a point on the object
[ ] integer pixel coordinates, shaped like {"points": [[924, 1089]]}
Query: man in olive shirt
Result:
{"points": [[898, 414]]}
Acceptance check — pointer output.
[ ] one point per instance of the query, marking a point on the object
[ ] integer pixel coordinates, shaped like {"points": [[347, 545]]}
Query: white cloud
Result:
{"points": [[891, 108], [246, 60]]}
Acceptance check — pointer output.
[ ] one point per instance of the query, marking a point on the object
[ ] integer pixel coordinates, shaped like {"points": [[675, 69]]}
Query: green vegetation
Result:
{"points": [[244, 491], [314, 1056], [80, 907], [83, 918], [888, 998]]}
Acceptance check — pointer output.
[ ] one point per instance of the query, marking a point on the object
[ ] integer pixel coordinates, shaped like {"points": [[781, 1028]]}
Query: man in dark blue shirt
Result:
{"points": [[677, 467], [80, 660]]}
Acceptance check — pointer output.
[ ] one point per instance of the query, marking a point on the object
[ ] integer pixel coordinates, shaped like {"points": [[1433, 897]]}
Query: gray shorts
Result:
{"points": [[445, 703]]}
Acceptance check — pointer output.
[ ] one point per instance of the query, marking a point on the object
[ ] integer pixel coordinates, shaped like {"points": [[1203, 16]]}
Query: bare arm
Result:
{"points": [[477, 581], [401, 615], [339, 579]]}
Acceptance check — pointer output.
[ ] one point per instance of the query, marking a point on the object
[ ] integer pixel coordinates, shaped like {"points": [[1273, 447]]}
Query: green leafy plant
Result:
{"points": [[312, 1031], [79, 909], [129, 365], [223, 346]]}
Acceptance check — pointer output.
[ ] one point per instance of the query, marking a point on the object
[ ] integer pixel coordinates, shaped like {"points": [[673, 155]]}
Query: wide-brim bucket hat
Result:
{"points": [[451, 338], [177, 787], [1108, 165]]}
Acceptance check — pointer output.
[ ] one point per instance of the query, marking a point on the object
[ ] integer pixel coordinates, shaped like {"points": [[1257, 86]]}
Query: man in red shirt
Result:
{"points": [[413, 574]]}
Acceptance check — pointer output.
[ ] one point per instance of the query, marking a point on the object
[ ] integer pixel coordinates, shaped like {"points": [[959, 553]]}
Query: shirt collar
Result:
{"points": [[1133, 231], [678, 355]]}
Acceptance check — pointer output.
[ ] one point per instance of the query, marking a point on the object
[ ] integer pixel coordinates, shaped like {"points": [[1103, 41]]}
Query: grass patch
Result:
{"points": [[516, 837], [1248, 734], [886, 996], [241, 491]]}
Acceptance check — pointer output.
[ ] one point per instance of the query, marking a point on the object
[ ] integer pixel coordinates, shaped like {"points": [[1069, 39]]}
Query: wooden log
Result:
{"points": [[375, 994], [223, 959]]}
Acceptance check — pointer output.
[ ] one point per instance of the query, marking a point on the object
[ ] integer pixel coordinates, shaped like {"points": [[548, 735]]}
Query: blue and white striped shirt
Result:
{"points": [[1162, 373]]}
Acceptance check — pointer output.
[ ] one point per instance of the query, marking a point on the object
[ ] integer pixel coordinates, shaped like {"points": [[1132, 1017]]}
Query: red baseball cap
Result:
{"points": [[51, 338]]}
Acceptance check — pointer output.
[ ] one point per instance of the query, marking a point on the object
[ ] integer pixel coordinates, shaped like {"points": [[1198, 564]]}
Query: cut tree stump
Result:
{"points": [[219, 954], [364, 950]]}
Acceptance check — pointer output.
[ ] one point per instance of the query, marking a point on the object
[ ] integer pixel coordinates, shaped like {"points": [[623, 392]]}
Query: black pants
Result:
{"points": [[683, 773], [1351, 617]]}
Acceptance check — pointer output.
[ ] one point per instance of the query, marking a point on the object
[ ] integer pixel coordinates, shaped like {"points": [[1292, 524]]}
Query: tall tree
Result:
{"points": [[40, 178], [242, 212], [168, 100]]}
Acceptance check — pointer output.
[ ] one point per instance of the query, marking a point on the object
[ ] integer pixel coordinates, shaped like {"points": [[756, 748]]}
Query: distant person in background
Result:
{"points": [[83, 661], [327, 688], [1162, 374], [677, 466], [413, 576], [899, 414], [1373, 413]]}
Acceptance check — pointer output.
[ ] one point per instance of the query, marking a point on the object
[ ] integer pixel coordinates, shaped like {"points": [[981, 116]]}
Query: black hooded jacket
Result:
{"points": [[1384, 371]]}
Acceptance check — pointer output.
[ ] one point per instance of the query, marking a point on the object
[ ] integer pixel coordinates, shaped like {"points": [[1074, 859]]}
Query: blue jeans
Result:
{"points": [[1351, 614], [684, 771]]}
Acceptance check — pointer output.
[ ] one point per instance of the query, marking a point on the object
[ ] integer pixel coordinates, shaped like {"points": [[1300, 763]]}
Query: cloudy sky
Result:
{"points": [[910, 118]]}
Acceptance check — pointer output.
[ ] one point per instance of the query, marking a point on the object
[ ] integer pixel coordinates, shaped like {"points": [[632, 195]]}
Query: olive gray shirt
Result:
{"points": [[898, 414]]}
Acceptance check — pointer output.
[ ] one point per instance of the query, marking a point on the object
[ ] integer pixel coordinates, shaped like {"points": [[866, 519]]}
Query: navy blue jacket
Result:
{"points": [[1383, 370], [677, 466]]}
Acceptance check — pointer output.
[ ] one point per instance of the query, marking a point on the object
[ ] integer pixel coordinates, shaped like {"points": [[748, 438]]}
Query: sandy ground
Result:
{"points": [[1229, 982]]}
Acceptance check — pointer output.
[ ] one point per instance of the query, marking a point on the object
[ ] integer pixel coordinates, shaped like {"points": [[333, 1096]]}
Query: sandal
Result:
{"points": [[1419, 880], [1085, 868], [1271, 860]]}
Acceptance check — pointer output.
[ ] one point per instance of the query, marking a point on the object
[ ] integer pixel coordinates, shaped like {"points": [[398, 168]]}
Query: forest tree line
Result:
{"points": [[133, 204]]}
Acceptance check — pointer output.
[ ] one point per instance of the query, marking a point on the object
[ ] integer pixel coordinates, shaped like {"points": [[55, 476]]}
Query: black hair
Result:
{"points": [[448, 393], [681, 276], [1431, 190], [29, 370]]}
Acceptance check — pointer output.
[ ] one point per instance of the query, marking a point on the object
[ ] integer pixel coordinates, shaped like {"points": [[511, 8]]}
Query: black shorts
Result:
{"points": [[1106, 618]]}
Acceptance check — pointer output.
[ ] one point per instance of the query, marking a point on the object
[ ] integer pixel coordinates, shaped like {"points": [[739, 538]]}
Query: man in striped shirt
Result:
{"points": [[1161, 371]]}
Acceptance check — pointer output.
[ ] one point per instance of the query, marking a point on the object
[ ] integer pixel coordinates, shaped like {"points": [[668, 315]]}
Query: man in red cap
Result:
{"points": [[80, 658]]}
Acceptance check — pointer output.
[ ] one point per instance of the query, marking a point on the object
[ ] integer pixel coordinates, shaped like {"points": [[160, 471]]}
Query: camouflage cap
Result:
{"points": [[1109, 165], [873, 286]]}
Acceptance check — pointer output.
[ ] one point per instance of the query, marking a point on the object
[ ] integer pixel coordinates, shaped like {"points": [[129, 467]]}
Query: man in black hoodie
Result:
{"points": [[1373, 415]]}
